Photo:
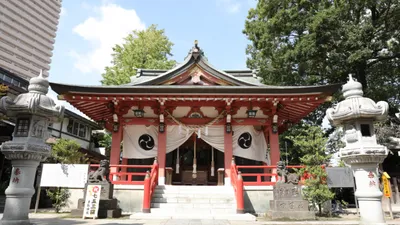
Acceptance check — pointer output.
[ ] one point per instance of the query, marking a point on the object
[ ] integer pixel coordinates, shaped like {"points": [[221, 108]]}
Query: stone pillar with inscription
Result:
{"points": [[288, 202], [356, 114], [32, 112]]}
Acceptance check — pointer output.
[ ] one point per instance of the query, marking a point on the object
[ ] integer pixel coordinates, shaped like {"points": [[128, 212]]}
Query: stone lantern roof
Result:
{"points": [[34, 102], [356, 106]]}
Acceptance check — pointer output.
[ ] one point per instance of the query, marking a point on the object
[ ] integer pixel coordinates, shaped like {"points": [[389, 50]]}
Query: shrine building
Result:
{"points": [[194, 118]]}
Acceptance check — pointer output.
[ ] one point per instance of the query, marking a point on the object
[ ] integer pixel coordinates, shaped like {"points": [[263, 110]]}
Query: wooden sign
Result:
{"points": [[92, 201], [386, 185]]}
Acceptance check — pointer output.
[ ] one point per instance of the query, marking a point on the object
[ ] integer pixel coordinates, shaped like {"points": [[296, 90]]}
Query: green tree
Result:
{"points": [[318, 42], [146, 49], [66, 151], [311, 141], [106, 142]]}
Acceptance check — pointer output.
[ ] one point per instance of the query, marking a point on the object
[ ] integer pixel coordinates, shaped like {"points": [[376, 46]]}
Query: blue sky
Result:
{"points": [[89, 29]]}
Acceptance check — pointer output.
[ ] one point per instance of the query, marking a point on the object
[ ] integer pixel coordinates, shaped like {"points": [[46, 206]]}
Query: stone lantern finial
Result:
{"points": [[39, 84], [352, 88]]}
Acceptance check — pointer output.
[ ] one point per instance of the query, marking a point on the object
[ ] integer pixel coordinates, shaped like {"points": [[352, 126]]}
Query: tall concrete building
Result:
{"points": [[27, 35]]}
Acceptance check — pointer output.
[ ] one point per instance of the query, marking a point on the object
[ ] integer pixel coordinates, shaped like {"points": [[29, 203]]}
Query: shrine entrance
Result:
{"points": [[195, 163]]}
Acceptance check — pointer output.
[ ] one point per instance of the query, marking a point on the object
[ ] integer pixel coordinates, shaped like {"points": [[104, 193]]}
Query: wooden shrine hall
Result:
{"points": [[193, 118]]}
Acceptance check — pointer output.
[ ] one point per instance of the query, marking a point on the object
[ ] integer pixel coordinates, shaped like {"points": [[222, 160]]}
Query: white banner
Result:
{"points": [[92, 200], [64, 175], [250, 143], [141, 142]]}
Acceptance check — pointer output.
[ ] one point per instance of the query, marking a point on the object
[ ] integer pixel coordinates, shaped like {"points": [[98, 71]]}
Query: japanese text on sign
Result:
{"points": [[386, 187], [92, 201]]}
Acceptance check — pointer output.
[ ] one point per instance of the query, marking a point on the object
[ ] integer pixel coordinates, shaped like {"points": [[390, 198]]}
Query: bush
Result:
{"points": [[59, 196]]}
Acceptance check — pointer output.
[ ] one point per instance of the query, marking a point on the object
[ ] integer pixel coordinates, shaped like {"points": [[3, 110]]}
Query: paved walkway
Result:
{"points": [[51, 219]]}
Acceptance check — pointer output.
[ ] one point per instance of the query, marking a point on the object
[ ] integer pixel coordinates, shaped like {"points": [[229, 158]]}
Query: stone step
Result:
{"points": [[193, 205], [229, 200], [189, 191], [198, 195], [200, 211], [154, 215]]}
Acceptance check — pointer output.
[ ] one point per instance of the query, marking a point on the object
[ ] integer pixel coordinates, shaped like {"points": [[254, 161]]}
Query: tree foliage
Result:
{"points": [[66, 151], [311, 142], [106, 142], [60, 197], [146, 49], [318, 42]]}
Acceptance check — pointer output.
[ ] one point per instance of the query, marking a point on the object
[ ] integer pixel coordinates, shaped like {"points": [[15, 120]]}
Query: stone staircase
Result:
{"points": [[193, 202]]}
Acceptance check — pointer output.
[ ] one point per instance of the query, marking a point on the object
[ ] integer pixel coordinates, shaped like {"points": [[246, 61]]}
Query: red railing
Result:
{"points": [[237, 184], [259, 176], [122, 177], [150, 183]]}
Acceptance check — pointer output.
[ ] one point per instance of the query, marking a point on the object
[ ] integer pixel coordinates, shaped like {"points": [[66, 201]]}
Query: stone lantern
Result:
{"points": [[32, 112], [357, 114]]}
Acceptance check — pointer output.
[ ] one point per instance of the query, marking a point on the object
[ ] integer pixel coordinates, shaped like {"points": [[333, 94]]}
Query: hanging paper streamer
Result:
{"points": [[194, 175], [212, 161], [177, 162], [199, 133], [180, 129], [206, 131]]}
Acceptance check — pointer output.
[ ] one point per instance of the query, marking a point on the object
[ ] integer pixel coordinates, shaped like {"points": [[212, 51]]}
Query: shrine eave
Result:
{"points": [[62, 89]]}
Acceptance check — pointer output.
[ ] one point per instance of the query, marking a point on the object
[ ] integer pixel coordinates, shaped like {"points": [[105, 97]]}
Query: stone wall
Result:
{"points": [[130, 198], [256, 199]]}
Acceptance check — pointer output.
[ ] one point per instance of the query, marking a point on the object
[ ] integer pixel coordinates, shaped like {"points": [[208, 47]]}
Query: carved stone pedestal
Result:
{"points": [[289, 204], [108, 206]]}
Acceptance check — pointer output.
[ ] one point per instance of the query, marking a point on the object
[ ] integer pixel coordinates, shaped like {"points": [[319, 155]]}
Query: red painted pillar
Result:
{"points": [[228, 154], [115, 150], [161, 155], [275, 153], [124, 169]]}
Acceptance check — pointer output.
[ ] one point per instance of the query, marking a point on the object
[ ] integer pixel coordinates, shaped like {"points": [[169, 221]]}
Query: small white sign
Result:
{"points": [[64, 175], [92, 200]]}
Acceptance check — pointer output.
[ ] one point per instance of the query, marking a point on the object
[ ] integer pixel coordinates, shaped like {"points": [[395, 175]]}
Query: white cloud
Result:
{"points": [[63, 11], [102, 33], [232, 6]]}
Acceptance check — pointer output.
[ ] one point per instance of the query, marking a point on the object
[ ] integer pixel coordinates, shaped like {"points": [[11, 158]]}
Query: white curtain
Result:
{"points": [[176, 137], [247, 141], [250, 143], [141, 142], [214, 136]]}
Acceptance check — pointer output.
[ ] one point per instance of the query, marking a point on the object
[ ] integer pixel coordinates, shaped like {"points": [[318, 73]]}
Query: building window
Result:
{"points": [[76, 128], [82, 130], [70, 125], [22, 128]]}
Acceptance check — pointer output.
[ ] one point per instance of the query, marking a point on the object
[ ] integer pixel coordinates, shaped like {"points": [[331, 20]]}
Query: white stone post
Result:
{"points": [[356, 114], [32, 111]]}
